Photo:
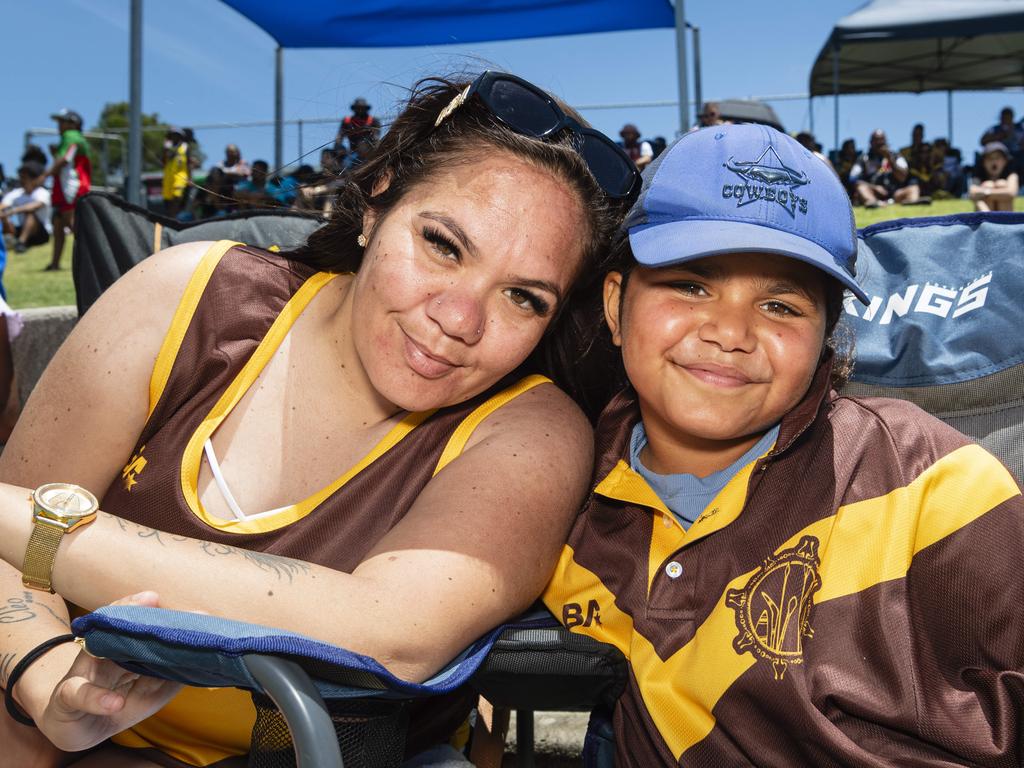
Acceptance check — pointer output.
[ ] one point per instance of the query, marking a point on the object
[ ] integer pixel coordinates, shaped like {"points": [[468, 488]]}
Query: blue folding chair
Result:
{"points": [[330, 705], [943, 326]]}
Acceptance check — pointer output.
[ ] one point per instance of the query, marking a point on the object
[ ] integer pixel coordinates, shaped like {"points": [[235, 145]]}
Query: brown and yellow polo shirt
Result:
{"points": [[852, 598]]}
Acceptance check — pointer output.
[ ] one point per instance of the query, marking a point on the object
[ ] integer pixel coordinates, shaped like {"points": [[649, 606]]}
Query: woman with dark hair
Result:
{"points": [[358, 440]]}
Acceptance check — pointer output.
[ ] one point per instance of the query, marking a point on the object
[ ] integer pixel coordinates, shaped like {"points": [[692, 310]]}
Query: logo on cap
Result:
{"points": [[766, 178]]}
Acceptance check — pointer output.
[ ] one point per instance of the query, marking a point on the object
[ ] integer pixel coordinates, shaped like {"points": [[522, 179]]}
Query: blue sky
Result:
{"points": [[204, 63]]}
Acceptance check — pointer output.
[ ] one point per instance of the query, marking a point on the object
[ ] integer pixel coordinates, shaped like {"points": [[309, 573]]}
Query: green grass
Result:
{"points": [[867, 216], [29, 286]]}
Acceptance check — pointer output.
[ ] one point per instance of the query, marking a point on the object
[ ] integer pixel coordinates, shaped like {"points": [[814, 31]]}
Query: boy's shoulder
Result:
{"points": [[894, 430]]}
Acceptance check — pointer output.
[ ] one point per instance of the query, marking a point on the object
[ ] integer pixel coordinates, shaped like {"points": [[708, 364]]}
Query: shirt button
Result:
{"points": [[674, 570]]}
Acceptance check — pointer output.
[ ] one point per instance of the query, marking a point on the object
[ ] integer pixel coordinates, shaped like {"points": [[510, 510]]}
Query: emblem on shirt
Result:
{"points": [[766, 178], [133, 468], [773, 610]]}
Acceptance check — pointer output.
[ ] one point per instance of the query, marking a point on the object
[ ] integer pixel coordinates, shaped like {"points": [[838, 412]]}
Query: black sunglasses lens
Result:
{"points": [[613, 171], [521, 108]]}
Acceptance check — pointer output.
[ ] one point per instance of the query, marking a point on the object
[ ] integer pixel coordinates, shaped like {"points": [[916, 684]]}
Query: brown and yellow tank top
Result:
{"points": [[236, 310]]}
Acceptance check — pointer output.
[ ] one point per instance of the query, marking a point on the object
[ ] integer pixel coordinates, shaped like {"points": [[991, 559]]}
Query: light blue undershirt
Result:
{"points": [[688, 495]]}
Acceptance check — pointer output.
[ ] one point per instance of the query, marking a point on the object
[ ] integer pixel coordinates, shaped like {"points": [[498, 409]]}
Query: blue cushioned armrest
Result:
{"points": [[206, 651]]}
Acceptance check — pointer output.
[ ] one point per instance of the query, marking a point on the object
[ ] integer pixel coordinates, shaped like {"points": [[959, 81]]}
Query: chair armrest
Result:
{"points": [[547, 667]]}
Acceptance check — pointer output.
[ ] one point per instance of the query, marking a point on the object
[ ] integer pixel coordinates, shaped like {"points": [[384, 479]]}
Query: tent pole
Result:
{"points": [[133, 180], [835, 93], [810, 111], [949, 115], [698, 86], [684, 97], [278, 108]]}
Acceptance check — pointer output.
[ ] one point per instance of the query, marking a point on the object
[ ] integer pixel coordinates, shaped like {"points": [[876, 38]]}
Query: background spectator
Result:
{"points": [[25, 210], [233, 167], [34, 154], [318, 193], [881, 177], [947, 178], [72, 176], [215, 197], [710, 114], [996, 182], [252, 192], [918, 155], [640, 152], [807, 141], [177, 171], [845, 160], [1006, 131], [357, 127]]}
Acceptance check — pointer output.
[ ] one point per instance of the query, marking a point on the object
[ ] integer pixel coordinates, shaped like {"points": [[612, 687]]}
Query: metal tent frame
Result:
{"points": [[346, 26]]}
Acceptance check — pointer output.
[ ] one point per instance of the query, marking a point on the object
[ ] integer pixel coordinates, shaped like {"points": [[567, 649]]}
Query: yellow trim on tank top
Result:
{"points": [[192, 457], [182, 319], [457, 442], [199, 726]]}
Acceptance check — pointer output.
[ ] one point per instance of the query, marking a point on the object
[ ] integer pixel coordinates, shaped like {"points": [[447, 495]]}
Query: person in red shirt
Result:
{"points": [[72, 176], [357, 128]]}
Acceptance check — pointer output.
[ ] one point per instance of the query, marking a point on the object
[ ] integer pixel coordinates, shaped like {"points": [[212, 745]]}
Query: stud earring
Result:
{"points": [[361, 240]]}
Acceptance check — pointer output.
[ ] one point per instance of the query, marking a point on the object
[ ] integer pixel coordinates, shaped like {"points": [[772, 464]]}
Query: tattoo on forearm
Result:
{"points": [[62, 619], [279, 566], [17, 609], [141, 531], [6, 665], [282, 567]]}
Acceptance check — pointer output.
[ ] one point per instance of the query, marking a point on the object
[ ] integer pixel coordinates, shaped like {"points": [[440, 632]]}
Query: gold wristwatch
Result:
{"points": [[57, 509]]}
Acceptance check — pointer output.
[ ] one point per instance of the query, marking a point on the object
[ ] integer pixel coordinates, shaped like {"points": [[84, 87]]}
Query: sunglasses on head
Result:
{"points": [[524, 108]]}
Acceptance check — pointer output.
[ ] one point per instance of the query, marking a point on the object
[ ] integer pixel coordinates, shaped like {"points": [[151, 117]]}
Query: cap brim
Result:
{"points": [[677, 242]]}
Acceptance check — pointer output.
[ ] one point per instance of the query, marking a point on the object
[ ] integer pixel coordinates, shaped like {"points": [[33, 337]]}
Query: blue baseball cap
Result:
{"points": [[744, 188]]}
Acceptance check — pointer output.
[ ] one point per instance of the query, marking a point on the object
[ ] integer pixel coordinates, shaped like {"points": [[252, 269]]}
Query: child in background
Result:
{"points": [[997, 182]]}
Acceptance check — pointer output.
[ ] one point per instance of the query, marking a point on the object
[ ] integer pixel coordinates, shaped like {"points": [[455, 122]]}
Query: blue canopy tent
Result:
{"points": [[922, 45], [397, 23]]}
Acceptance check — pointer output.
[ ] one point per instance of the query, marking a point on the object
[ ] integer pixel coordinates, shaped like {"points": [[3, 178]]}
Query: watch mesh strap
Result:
{"points": [[40, 554]]}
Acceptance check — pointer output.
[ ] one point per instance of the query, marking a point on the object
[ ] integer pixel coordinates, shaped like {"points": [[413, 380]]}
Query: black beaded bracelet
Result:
{"points": [[13, 709]]}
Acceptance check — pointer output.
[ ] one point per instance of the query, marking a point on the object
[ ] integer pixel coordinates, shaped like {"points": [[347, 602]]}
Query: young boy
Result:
{"points": [[796, 578]]}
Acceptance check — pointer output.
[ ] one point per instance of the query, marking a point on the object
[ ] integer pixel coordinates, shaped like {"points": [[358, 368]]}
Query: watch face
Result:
{"points": [[65, 500]]}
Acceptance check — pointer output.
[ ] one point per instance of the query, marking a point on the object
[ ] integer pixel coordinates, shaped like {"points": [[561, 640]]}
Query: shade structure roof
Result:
{"points": [[924, 45], [392, 23]]}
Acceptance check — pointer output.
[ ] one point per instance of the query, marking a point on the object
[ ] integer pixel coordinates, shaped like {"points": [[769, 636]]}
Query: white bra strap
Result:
{"points": [[218, 477]]}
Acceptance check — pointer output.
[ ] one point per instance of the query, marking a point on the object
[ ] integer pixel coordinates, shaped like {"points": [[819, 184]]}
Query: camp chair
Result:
{"points": [[943, 326], [112, 236], [532, 663]]}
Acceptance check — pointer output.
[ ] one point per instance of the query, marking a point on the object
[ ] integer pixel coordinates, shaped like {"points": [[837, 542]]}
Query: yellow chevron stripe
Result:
{"points": [[457, 442], [182, 318], [572, 583]]}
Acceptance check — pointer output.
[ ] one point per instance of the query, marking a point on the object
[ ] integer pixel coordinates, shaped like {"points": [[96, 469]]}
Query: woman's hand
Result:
{"points": [[97, 698]]}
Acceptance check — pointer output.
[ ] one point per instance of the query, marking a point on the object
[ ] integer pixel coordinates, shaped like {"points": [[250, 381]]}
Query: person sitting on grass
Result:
{"points": [[996, 183], [881, 177], [797, 578], [25, 210]]}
